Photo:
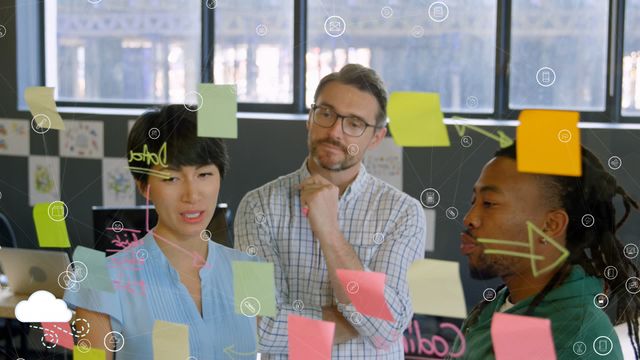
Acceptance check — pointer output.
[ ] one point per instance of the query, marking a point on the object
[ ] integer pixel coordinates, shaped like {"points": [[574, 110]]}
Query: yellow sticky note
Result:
{"points": [[170, 341], [416, 120], [88, 353], [40, 101], [435, 288], [548, 142], [51, 226]]}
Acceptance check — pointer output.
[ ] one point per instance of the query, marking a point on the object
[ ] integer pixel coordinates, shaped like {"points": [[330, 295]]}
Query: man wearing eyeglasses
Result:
{"points": [[331, 214]]}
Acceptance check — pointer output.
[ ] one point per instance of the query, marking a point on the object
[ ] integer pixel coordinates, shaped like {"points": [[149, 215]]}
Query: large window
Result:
{"points": [[631, 60], [415, 45], [559, 54], [123, 51], [253, 48]]}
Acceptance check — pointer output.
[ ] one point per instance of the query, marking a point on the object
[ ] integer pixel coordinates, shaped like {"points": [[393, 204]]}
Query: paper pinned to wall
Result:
{"points": [[14, 137], [118, 186], [430, 241], [385, 162], [82, 139], [44, 179]]}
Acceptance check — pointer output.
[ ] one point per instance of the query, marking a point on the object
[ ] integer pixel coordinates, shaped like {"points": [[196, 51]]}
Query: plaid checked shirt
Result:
{"points": [[385, 226]]}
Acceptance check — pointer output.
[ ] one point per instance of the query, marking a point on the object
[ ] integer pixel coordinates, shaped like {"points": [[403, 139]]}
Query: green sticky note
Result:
{"points": [[218, 113], [97, 276], [83, 352], [170, 341], [254, 288], [51, 227], [415, 120], [43, 108]]}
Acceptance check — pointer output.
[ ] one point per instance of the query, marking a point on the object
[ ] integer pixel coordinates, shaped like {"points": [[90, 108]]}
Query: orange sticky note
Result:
{"points": [[548, 142], [416, 120], [365, 289], [59, 334], [309, 339], [521, 337]]}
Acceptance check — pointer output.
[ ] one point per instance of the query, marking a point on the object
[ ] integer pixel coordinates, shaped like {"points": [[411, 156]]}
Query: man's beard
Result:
{"points": [[485, 270], [348, 162]]}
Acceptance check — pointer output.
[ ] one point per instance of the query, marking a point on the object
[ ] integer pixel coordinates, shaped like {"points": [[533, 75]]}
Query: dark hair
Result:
{"points": [[595, 247], [363, 79], [177, 127]]}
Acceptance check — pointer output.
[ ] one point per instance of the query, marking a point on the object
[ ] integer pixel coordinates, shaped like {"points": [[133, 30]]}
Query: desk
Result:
{"points": [[8, 302]]}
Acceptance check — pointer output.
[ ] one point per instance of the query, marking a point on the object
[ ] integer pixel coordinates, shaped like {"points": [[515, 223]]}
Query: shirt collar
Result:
{"points": [[352, 190]]}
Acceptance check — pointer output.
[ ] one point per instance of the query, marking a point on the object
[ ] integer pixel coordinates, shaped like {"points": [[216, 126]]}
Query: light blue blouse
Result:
{"points": [[150, 289]]}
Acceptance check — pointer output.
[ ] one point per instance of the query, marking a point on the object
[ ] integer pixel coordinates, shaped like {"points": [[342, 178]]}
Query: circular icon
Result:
{"points": [[352, 287], [81, 330], [614, 163], [298, 305], [610, 272], [564, 135], [438, 11], [378, 238], [587, 220], [3, 31], [114, 341], [117, 226], [451, 212], [466, 141], [262, 30], [193, 95], [430, 198], [472, 102], [353, 149], [579, 348], [40, 124], [356, 318], [66, 281], [633, 285], [386, 12], [142, 254], [260, 218], [489, 294], [250, 306], [94, 2], [79, 271], [545, 76], [211, 4], [417, 31], [252, 250], [630, 251], [205, 235], [601, 301], [154, 133], [335, 26], [49, 336], [602, 345], [57, 211]]}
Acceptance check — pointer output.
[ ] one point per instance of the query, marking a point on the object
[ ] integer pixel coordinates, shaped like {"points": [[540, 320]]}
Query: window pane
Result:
{"points": [[140, 51], [254, 49], [559, 54], [449, 50], [631, 60]]}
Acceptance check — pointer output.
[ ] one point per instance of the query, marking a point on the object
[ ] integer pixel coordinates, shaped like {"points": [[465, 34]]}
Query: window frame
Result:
{"points": [[613, 88]]}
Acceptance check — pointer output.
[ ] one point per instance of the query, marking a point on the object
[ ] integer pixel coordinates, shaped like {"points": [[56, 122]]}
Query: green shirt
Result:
{"points": [[574, 318]]}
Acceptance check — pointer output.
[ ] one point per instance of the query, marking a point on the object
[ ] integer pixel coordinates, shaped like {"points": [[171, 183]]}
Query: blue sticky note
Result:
{"points": [[97, 276]]}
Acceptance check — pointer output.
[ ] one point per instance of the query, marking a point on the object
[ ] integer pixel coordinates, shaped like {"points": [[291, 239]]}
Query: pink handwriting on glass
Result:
{"points": [[123, 244], [437, 345], [150, 158]]}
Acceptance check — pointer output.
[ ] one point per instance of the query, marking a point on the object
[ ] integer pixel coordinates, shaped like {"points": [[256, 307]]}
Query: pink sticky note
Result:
{"points": [[521, 337], [64, 336], [366, 291], [310, 339]]}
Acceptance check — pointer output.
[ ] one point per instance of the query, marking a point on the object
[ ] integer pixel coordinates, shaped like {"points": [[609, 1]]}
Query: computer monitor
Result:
{"points": [[111, 238]]}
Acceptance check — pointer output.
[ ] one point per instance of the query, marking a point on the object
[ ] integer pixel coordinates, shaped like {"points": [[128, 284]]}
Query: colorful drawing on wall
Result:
{"points": [[44, 179], [118, 186], [14, 137], [83, 139]]}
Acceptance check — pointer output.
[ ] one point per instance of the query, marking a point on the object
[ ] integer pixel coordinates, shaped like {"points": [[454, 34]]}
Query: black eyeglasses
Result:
{"points": [[351, 125]]}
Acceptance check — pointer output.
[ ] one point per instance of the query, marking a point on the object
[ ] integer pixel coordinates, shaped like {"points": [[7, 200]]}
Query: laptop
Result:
{"points": [[30, 270]]}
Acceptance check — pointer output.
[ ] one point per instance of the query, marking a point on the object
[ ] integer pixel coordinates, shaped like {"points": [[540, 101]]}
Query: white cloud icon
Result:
{"points": [[42, 306]]}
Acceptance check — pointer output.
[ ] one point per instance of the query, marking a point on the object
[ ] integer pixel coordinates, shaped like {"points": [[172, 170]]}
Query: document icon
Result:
{"points": [[548, 142]]}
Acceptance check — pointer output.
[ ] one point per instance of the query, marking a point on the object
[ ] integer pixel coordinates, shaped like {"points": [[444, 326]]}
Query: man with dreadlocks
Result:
{"points": [[503, 201]]}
